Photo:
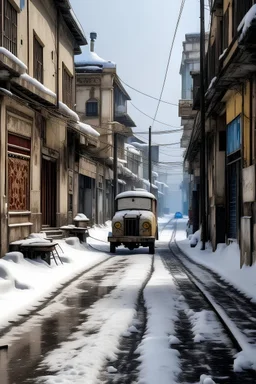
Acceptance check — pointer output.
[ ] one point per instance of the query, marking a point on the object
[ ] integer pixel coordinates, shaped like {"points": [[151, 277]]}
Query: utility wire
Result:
{"points": [[146, 94], [169, 59], [151, 118]]}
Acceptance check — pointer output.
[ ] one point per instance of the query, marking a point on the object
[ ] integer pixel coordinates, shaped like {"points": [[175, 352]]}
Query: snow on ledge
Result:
{"points": [[247, 21], [121, 182], [86, 128], [67, 111], [212, 83], [14, 58], [37, 84]]}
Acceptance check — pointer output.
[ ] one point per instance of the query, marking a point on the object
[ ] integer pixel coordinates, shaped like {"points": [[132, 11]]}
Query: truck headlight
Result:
{"points": [[118, 225], [146, 225]]}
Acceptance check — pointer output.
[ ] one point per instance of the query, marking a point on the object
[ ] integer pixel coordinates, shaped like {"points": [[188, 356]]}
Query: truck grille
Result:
{"points": [[131, 227]]}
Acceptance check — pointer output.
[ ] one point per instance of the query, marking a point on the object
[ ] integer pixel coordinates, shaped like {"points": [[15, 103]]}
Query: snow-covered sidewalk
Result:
{"points": [[226, 262], [25, 283]]}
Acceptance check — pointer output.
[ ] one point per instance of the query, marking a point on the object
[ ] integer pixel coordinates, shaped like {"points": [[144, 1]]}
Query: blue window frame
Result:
{"points": [[234, 139], [22, 4]]}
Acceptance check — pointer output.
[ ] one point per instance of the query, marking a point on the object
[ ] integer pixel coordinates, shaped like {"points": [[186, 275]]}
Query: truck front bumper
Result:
{"points": [[131, 239]]}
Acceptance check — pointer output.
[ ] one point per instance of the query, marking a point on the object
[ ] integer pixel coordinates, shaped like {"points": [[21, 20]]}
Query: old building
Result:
{"points": [[102, 103], [230, 109], [39, 129], [190, 64]]}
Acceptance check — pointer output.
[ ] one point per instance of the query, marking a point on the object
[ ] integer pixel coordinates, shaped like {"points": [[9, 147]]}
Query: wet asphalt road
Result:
{"points": [[30, 342]]}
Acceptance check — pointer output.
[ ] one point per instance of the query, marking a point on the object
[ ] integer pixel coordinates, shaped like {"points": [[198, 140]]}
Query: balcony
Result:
{"points": [[185, 109], [235, 65]]}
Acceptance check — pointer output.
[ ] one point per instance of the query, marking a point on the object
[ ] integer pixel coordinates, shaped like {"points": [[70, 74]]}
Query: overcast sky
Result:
{"points": [[137, 35]]}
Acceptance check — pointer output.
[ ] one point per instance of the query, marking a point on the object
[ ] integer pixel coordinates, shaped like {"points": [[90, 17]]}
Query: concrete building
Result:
{"points": [[38, 125], [190, 64], [102, 103], [230, 144]]}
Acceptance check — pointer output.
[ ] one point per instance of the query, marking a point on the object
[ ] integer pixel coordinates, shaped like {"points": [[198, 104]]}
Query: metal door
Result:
{"points": [[48, 192]]}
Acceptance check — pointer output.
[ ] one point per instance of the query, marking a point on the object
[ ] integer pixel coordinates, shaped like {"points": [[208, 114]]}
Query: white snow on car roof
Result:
{"points": [[135, 194]]}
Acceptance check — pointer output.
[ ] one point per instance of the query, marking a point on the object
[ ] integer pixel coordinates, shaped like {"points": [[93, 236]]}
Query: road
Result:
{"points": [[92, 331]]}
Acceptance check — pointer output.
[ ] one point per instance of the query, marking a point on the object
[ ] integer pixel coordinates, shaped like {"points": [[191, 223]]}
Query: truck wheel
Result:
{"points": [[112, 248], [152, 249]]}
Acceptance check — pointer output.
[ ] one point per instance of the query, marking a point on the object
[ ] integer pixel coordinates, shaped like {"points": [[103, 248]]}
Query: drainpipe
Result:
{"points": [[28, 36], [58, 61]]}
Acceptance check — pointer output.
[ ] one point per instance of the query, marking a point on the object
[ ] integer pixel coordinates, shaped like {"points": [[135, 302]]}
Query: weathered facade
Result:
{"points": [[40, 132], [102, 103], [230, 128]]}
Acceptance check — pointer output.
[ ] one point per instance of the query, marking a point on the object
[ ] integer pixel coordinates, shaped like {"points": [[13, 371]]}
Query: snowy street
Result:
{"points": [[132, 318]]}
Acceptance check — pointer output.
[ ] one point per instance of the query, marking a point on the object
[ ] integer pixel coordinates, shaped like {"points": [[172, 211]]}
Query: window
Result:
{"points": [[92, 108], [22, 4], [10, 28], [38, 60], [225, 26], [67, 87]]}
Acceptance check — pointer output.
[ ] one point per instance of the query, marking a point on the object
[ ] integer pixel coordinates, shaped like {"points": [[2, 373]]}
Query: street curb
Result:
{"points": [[209, 301]]}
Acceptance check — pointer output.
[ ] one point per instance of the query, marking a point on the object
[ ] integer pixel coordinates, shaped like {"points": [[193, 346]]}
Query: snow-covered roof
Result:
{"points": [[136, 194], [132, 149], [247, 21], [86, 128], [72, 21], [91, 58]]}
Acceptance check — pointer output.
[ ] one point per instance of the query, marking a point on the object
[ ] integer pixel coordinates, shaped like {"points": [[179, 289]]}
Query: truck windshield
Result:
{"points": [[134, 203]]}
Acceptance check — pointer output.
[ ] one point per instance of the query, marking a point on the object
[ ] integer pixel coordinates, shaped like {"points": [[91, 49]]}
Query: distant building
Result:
{"points": [[190, 64], [102, 102]]}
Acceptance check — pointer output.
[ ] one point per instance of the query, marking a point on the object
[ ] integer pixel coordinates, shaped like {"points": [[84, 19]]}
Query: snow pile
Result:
{"points": [[22, 281], [195, 238], [14, 58], [37, 84], [226, 262], [205, 326], [96, 342], [86, 128], [91, 58], [159, 362], [247, 21], [204, 379], [245, 359], [80, 217]]}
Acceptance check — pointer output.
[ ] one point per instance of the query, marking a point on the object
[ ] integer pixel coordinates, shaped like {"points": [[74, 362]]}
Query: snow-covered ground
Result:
{"points": [[87, 351], [226, 262], [24, 283], [159, 362]]}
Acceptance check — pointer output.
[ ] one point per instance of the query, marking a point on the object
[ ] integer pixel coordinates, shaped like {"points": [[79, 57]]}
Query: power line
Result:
{"points": [[147, 95], [151, 118], [169, 59]]}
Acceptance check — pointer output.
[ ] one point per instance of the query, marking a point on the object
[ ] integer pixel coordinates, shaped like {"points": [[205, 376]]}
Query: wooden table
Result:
{"points": [[47, 251]]}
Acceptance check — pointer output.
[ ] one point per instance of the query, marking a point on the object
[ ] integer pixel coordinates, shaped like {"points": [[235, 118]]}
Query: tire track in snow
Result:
{"points": [[127, 363]]}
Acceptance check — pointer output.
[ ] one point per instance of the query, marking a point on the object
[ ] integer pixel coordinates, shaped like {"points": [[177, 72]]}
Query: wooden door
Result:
{"points": [[48, 192]]}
